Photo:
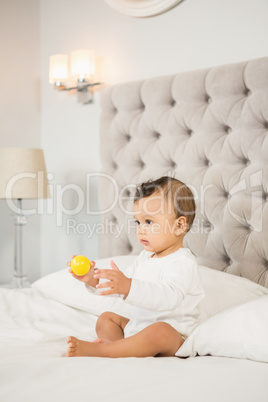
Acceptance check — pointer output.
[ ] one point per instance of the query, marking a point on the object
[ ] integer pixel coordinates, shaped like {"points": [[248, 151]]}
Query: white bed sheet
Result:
{"points": [[33, 366]]}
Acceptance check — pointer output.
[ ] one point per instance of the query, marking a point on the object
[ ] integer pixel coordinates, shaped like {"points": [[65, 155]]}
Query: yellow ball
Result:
{"points": [[80, 265]]}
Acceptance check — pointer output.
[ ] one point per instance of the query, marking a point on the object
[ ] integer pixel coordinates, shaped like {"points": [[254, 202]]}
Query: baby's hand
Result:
{"points": [[117, 282], [88, 278]]}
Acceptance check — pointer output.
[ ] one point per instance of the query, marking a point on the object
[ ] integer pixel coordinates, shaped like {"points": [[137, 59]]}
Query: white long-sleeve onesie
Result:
{"points": [[166, 289]]}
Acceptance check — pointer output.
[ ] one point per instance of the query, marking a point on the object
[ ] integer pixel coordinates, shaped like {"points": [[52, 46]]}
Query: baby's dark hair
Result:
{"points": [[175, 191]]}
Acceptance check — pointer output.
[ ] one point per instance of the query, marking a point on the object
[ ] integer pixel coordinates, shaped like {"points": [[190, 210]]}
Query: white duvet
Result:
{"points": [[33, 366]]}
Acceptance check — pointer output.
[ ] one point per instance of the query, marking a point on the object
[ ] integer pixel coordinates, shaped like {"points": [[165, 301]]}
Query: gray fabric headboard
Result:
{"points": [[208, 128]]}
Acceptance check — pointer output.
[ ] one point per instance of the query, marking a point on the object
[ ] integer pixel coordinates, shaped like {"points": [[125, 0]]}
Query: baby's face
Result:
{"points": [[157, 226]]}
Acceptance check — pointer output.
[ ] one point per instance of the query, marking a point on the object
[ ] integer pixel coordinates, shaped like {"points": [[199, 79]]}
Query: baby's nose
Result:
{"points": [[141, 228]]}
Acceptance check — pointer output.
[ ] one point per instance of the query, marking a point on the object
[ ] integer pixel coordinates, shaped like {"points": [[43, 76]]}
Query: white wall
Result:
{"points": [[193, 35], [19, 116]]}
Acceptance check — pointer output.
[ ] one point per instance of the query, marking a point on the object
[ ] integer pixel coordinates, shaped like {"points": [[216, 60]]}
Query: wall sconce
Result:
{"points": [[82, 70]]}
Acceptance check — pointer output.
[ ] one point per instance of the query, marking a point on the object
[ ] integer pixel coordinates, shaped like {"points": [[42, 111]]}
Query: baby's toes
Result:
{"points": [[71, 339]]}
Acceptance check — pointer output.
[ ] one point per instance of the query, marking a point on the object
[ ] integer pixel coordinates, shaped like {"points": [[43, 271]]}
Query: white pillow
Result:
{"points": [[62, 287], [240, 332], [222, 290]]}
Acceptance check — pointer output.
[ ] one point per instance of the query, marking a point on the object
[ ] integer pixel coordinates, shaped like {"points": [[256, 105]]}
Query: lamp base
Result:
{"points": [[19, 279], [19, 282]]}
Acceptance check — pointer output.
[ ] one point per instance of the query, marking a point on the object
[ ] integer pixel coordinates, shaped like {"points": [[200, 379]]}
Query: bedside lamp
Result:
{"points": [[22, 176]]}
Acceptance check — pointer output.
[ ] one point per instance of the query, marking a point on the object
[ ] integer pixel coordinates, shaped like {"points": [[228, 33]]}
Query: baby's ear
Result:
{"points": [[181, 226]]}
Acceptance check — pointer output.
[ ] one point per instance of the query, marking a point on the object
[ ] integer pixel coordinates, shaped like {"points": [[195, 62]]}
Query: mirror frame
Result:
{"points": [[142, 8]]}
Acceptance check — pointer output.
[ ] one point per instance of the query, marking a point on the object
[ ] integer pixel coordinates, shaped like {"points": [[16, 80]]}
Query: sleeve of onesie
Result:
{"points": [[167, 294]]}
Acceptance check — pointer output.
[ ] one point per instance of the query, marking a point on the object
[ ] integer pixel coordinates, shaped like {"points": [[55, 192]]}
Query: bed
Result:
{"points": [[209, 129]]}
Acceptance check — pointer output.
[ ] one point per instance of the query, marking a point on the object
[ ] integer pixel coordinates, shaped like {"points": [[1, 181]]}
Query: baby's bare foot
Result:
{"points": [[76, 347]]}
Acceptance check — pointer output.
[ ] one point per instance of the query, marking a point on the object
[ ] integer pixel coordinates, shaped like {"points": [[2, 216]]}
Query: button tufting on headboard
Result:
{"points": [[247, 92], [208, 128], [246, 162], [141, 164], [126, 193], [265, 197], [227, 129], [114, 219], [130, 247], [228, 261]]}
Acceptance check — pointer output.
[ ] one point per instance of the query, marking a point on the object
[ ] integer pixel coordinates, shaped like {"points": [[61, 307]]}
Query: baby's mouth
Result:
{"points": [[143, 241]]}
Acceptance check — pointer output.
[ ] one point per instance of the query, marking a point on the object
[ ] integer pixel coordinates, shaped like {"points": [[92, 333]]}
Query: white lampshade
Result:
{"points": [[58, 68], [23, 174], [82, 64]]}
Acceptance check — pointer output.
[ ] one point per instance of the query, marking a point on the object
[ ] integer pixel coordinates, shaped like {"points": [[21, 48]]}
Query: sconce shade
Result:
{"points": [[82, 64], [23, 174], [58, 68]]}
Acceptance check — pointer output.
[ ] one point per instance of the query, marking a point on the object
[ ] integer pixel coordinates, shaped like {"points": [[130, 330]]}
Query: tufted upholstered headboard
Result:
{"points": [[208, 128]]}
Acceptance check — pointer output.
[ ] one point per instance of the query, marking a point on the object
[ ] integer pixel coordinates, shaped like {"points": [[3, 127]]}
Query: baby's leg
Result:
{"points": [[110, 326], [158, 339]]}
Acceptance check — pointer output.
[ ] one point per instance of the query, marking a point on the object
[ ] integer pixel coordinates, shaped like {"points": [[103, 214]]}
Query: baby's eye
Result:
{"points": [[148, 222], [138, 222]]}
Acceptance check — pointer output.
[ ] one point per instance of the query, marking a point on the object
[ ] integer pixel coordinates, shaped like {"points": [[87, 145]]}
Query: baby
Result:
{"points": [[163, 286]]}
